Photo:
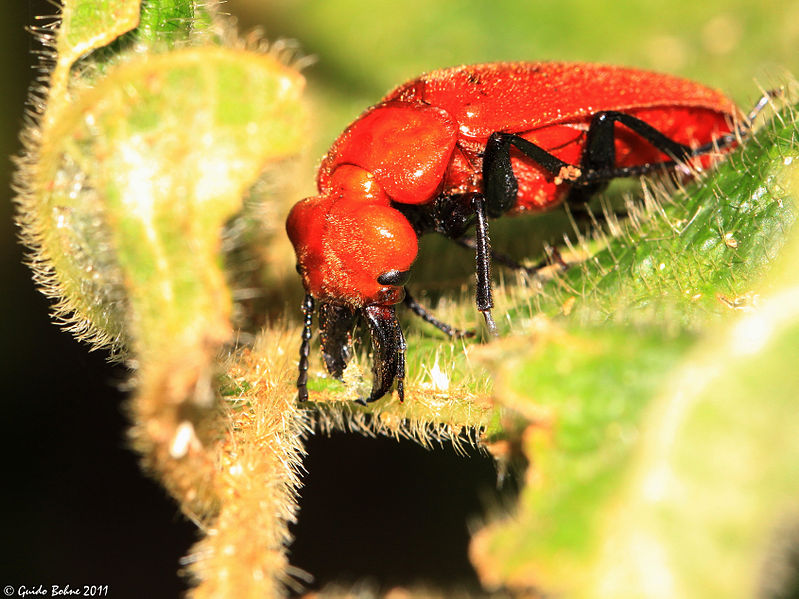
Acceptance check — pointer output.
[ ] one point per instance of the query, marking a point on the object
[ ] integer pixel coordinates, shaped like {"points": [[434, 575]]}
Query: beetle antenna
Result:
{"points": [[305, 348]]}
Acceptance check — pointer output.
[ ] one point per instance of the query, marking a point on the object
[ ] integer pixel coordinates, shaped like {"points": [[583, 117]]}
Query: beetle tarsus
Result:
{"points": [[744, 129], [492, 326]]}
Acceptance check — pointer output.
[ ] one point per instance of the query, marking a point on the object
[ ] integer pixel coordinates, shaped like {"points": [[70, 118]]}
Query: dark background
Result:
{"points": [[76, 508]]}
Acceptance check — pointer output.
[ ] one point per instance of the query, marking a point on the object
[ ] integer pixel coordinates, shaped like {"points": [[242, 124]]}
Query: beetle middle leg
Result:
{"points": [[553, 257], [500, 190], [485, 299], [500, 185], [450, 331]]}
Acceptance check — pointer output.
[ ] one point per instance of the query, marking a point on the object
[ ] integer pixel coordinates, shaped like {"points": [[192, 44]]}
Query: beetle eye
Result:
{"points": [[397, 278], [299, 268]]}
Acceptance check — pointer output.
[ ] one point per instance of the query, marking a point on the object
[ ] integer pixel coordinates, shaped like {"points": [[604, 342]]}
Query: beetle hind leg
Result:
{"points": [[598, 164]]}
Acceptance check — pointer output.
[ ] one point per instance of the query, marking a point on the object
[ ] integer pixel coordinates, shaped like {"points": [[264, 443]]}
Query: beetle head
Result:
{"points": [[352, 247], [354, 253]]}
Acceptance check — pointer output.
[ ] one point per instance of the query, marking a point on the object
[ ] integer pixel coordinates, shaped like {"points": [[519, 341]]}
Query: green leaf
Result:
{"points": [[171, 20], [712, 495], [142, 173], [662, 421], [90, 24], [706, 243]]}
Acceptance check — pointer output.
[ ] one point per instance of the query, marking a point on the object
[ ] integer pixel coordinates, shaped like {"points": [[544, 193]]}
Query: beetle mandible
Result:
{"points": [[455, 147]]}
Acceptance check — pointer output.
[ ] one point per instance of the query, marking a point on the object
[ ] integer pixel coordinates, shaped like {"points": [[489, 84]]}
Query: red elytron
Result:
{"points": [[458, 146]]}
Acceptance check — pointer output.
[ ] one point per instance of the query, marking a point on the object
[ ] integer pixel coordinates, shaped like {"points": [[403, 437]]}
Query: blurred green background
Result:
{"points": [[79, 511], [364, 48]]}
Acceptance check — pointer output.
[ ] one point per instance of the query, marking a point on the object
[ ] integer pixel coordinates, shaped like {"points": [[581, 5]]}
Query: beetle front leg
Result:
{"points": [[305, 348], [399, 375]]}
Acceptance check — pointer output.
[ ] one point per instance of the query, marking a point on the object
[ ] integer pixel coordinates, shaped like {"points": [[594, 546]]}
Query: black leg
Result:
{"points": [[598, 163], [485, 300], [399, 375], [499, 183], [305, 348], [596, 169], [598, 166], [599, 155], [419, 310], [600, 143]]}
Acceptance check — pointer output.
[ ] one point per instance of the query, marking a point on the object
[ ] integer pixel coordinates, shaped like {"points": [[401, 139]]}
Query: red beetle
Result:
{"points": [[458, 146]]}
